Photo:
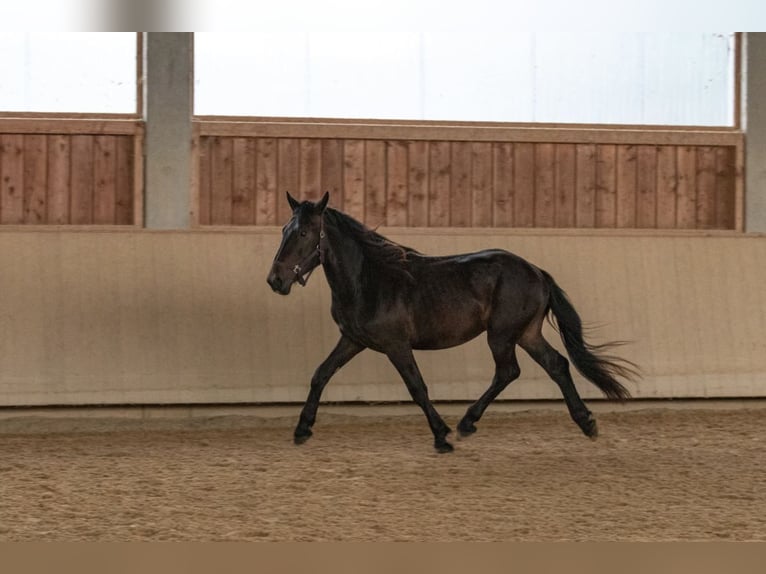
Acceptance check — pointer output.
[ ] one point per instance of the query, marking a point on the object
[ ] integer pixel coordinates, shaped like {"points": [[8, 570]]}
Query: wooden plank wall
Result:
{"points": [[417, 183], [69, 172]]}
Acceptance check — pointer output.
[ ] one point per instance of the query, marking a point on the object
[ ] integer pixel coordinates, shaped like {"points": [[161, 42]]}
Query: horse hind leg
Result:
{"points": [[507, 370], [557, 367]]}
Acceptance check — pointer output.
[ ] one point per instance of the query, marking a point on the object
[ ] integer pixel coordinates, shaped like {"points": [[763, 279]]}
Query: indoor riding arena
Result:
{"points": [[151, 380]]}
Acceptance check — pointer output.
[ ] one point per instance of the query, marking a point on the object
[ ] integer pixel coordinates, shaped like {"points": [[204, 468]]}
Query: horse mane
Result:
{"points": [[379, 249]]}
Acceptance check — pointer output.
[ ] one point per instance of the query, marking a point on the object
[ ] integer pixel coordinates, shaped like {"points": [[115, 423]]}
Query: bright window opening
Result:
{"points": [[88, 72], [683, 78]]}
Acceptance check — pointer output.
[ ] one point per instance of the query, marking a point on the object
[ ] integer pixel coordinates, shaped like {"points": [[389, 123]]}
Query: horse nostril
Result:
{"points": [[275, 282]]}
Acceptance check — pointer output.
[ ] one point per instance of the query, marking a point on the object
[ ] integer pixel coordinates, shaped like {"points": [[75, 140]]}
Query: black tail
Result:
{"points": [[600, 369]]}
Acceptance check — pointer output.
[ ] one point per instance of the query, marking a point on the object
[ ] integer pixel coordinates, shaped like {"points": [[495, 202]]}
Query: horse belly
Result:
{"points": [[448, 325]]}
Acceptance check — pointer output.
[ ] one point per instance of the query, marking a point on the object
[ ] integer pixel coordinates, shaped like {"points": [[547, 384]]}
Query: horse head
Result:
{"points": [[298, 254]]}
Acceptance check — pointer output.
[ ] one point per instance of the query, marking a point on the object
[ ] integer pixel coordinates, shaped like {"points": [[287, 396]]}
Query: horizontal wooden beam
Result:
{"points": [[482, 132], [71, 126]]}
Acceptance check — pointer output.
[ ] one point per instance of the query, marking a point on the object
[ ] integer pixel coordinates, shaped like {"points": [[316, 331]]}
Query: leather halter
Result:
{"points": [[306, 261]]}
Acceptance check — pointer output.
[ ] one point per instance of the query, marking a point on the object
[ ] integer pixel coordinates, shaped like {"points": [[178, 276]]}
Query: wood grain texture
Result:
{"points": [[440, 184], [524, 185], [646, 187], [565, 186], [266, 181], [460, 196], [244, 160], [11, 178], [354, 179], [667, 185], [585, 185], [59, 179], [686, 192], [627, 186], [105, 179], [726, 201], [545, 185], [35, 179], [606, 186], [418, 182], [502, 185], [706, 188], [482, 201], [397, 183], [81, 202], [479, 184], [375, 182], [124, 185]]}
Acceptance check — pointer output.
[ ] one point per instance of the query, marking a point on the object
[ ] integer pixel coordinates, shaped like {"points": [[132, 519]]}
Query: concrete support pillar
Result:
{"points": [[168, 88], [755, 131]]}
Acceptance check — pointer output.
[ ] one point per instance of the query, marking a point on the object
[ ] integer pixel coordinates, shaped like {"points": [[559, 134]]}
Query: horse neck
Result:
{"points": [[342, 260]]}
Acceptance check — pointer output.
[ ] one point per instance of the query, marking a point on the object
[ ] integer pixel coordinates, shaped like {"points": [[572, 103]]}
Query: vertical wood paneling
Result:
{"points": [[35, 179], [205, 180], [627, 182], [105, 179], [397, 168], [332, 170], [466, 184], [706, 188], [524, 185], [221, 182], [310, 169], [137, 189], [606, 186], [353, 178], [418, 155], [725, 187], [124, 184], [646, 186], [266, 181], [439, 184], [375, 182], [81, 204], [585, 185], [460, 185], [686, 203], [566, 175], [502, 184], [288, 176], [545, 185], [243, 181], [59, 178], [481, 184], [11, 178], [667, 182]]}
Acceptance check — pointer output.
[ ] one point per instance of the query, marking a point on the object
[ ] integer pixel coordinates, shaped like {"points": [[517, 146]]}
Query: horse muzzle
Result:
{"points": [[279, 285]]}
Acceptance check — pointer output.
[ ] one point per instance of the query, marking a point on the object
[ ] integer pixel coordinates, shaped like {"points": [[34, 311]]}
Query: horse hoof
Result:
{"points": [[591, 429], [444, 447], [302, 437], [464, 431]]}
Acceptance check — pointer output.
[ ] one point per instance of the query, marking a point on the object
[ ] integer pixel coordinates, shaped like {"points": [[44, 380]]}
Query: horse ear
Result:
{"points": [[323, 202], [294, 203]]}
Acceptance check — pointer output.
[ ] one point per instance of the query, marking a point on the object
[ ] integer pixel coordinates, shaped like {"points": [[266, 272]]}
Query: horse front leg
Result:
{"points": [[405, 364], [343, 352]]}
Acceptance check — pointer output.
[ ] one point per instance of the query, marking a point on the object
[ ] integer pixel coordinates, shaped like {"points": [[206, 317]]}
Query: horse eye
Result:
{"points": [[303, 234]]}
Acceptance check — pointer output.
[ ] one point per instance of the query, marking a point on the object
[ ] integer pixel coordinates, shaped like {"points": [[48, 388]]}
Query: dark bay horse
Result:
{"points": [[392, 299]]}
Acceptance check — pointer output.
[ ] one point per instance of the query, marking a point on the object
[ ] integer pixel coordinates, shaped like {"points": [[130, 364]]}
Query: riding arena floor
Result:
{"points": [[654, 474]]}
